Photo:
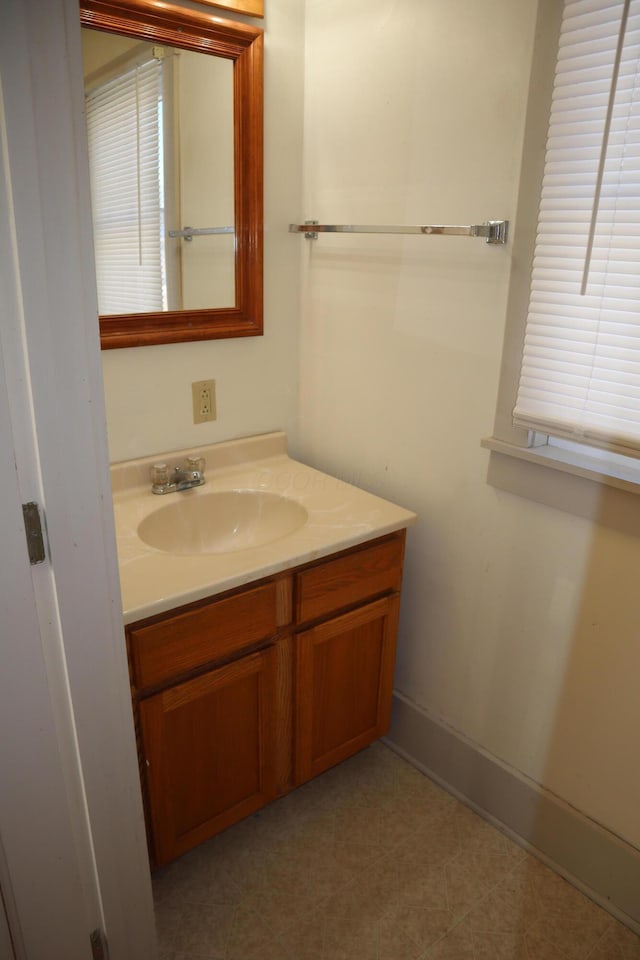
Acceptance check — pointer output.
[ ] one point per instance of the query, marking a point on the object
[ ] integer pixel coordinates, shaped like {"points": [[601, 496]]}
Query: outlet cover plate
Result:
{"points": [[204, 400]]}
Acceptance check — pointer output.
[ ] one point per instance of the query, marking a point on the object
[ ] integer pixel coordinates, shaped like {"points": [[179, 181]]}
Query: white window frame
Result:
{"points": [[525, 462]]}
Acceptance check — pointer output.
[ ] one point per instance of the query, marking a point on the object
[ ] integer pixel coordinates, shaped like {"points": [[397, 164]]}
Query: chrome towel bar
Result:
{"points": [[494, 231], [188, 233]]}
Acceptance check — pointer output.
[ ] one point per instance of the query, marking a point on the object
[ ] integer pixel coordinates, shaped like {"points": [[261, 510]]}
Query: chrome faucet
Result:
{"points": [[167, 480]]}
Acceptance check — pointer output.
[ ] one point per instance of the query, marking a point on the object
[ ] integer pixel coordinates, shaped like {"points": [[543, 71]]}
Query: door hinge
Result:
{"points": [[33, 532], [99, 945]]}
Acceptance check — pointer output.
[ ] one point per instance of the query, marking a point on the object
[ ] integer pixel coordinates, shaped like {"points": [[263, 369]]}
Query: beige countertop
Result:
{"points": [[339, 516]]}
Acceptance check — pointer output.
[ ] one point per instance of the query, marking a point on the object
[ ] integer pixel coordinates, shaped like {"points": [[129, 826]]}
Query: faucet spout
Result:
{"points": [[185, 479], [190, 474]]}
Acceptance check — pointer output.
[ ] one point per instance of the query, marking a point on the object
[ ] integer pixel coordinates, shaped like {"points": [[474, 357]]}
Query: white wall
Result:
{"points": [[520, 623], [205, 152], [148, 390]]}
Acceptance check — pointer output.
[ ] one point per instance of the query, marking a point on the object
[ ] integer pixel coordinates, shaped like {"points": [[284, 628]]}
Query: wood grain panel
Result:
{"points": [[345, 677], [284, 601], [252, 8], [350, 579], [284, 715], [209, 752], [177, 644]]}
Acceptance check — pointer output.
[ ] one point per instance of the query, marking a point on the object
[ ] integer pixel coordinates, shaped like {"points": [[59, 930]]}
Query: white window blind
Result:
{"points": [[124, 133], [580, 375]]}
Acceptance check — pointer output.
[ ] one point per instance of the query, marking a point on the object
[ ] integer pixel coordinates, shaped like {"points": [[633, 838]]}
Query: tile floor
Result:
{"points": [[372, 861]]}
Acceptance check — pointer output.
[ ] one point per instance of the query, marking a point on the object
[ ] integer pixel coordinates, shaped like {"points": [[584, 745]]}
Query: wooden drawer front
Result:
{"points": [[339, 583], [182, 643]]}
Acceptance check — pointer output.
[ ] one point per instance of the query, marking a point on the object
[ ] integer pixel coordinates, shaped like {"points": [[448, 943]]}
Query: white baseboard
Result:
{"points": [[604, 867]]}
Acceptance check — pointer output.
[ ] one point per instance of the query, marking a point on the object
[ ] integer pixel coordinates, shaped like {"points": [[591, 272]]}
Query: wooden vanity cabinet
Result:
{"points": [[345, 663], [344, 683], [209, 752], [239, 698], [207, 693]]}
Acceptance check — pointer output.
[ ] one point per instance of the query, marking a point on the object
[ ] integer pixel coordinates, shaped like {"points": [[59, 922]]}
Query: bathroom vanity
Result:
{"points": [[266, 664]]}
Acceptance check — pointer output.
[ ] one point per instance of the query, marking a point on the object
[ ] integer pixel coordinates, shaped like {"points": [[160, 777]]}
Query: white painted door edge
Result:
{"points": [[70, 754]]}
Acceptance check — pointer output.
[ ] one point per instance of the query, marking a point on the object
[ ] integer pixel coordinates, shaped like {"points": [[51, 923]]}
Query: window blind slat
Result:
{"points": [[124, 156], [580, 375]]}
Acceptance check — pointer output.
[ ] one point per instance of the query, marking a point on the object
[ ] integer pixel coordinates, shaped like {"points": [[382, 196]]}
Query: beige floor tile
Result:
{"points": [[314, 874], [251, 938], [181, 956], [500, 946], [235, 857], [223, 878], [510, 908], [424, 926], [432, 840], [397, 833], [538, 948], [575, 939], [189, 879], [186, 956], [477, 834], [368, 896], [417, 798], [471, 876], [566, 919], [202, 929], [359, 923], [394, 944], [364, 935], [373, 861], [316, 834], [618, 943], [421, 884], [169, 919], [360, 822], [359, 949], [304, 939], [559, 898], [455, 945], [357, 858], [281, 910]]}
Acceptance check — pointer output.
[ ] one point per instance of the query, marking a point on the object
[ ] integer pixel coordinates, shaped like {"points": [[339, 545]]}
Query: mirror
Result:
{"points": [[159, 174], [211, 285]]}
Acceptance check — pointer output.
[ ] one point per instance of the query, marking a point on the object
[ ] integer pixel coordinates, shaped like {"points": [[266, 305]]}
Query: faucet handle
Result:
{"points": [[196, 464], [159, 473]]}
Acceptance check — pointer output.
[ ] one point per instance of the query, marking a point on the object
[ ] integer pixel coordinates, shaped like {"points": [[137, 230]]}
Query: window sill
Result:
{"points": [[578, 464], [569, 481]]}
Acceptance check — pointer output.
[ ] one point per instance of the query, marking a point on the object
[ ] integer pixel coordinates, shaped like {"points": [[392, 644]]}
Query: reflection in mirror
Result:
{"points": [[174, 122], [160, 135]]}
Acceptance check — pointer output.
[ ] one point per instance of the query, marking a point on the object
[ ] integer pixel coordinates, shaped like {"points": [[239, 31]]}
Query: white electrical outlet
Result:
{"points": [[204, 400]]}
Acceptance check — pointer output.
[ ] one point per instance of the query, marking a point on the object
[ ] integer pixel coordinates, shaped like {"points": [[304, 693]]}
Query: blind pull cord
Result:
{"points": [[605, 147]]}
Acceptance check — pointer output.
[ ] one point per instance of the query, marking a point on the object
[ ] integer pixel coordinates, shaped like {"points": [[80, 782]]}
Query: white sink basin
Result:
{"points": [[220, 522]]}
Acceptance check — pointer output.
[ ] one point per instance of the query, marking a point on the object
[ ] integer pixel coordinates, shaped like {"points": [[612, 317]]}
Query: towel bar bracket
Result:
{"points": [[495, 231]]}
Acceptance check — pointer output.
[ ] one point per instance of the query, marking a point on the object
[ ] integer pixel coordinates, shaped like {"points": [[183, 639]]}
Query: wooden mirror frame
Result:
{"points": [[252, 8], [205, 33]]}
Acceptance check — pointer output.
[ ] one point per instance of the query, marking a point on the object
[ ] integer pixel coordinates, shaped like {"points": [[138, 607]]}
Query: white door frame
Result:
{"points": [[69, 758]]}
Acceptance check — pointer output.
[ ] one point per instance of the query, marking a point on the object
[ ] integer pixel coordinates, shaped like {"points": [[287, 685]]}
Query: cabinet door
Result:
{"points": [[344, 676], [209, 752]]}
